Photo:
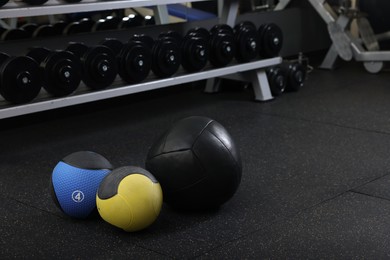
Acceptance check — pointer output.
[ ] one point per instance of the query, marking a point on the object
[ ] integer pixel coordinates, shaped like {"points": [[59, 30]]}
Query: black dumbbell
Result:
{"points": [[29, 28], [149, 20], [110, 23], [166, 55], [295, 75], [247, 41], [130, 21], [20, 78], [271, 40], [14, 34], [133, 58], [98, 62], [61, 70], [277, 80], [3, 2], [46, 30], [83, 26], [59, 27], [195, 49], [222, 45], [35, 2]]}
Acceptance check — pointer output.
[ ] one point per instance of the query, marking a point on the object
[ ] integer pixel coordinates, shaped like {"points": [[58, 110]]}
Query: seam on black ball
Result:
{"points": [[227, 149], [201, 132], [176, 151]]}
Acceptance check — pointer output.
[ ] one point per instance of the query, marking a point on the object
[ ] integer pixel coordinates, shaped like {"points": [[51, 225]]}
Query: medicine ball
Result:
{"points": [[197, 164], [129, 198], [75, 180]]}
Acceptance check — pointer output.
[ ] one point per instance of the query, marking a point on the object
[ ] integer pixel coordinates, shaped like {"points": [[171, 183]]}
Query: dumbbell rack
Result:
{"points": [[255, 71]]}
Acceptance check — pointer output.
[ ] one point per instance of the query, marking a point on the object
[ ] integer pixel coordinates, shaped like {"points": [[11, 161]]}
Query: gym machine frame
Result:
{"points": [[253, 70], [345, 45]]}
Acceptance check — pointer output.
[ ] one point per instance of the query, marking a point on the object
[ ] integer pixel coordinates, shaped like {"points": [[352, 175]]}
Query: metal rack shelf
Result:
{"points": [[252, 67], [13, 9]]}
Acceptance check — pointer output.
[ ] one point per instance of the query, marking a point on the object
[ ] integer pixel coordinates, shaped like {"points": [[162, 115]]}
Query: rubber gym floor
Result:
{"points": [[315, 184]]}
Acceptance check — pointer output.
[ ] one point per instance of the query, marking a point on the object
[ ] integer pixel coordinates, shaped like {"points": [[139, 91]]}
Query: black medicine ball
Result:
{"points": [[197, 164]]}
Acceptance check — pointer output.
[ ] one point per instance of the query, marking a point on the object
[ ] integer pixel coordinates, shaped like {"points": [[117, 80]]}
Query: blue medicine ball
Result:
{"points": [[75, 181]]}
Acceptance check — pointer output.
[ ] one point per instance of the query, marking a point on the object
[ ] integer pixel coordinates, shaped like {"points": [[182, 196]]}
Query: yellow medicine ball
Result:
{"points": [[129, 198]]}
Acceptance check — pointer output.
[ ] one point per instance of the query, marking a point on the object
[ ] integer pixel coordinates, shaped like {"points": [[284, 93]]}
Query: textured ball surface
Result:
{"points": [[197, 164], [129, 198], [75, 180]]}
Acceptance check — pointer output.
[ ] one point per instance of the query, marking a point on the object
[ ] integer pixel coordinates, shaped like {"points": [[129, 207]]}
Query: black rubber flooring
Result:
{"points": [[316, 179]]}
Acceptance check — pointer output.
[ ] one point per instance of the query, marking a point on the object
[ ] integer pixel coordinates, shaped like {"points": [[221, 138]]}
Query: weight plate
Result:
{"points": [[100, 67], [62, 73], [35, 2], [195, 53], [14, 34], [222, 49], [86, 25], [173, 35], [114, 44], [29, 28], [149, 20], [38, 54], [144, 39], [82, 26], [200, 32], [20, 80], [277, 80], [271, 37], [131, 21], [135, 62], [296, 75], [3, 57], [77, 48], [3, 2], [59, 27], [367, 34], [340, 41], [247, 42], [218, 28], [105, 24], [166, 58], [44, 31]]}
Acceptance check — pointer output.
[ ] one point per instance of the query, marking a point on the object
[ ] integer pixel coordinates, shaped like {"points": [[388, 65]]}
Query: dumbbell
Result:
{"points": [[271, 40], [222, 45], [195, 49], [277, 80], [59, 27], [20, 78], [295, 75], [247, 41], [110, 23], [82, 26], [14, 34], [134, 58], [98, 63], [130, 21], [61, 70], [166, 56], [29, 28], [45, 30], [149, 20]]}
